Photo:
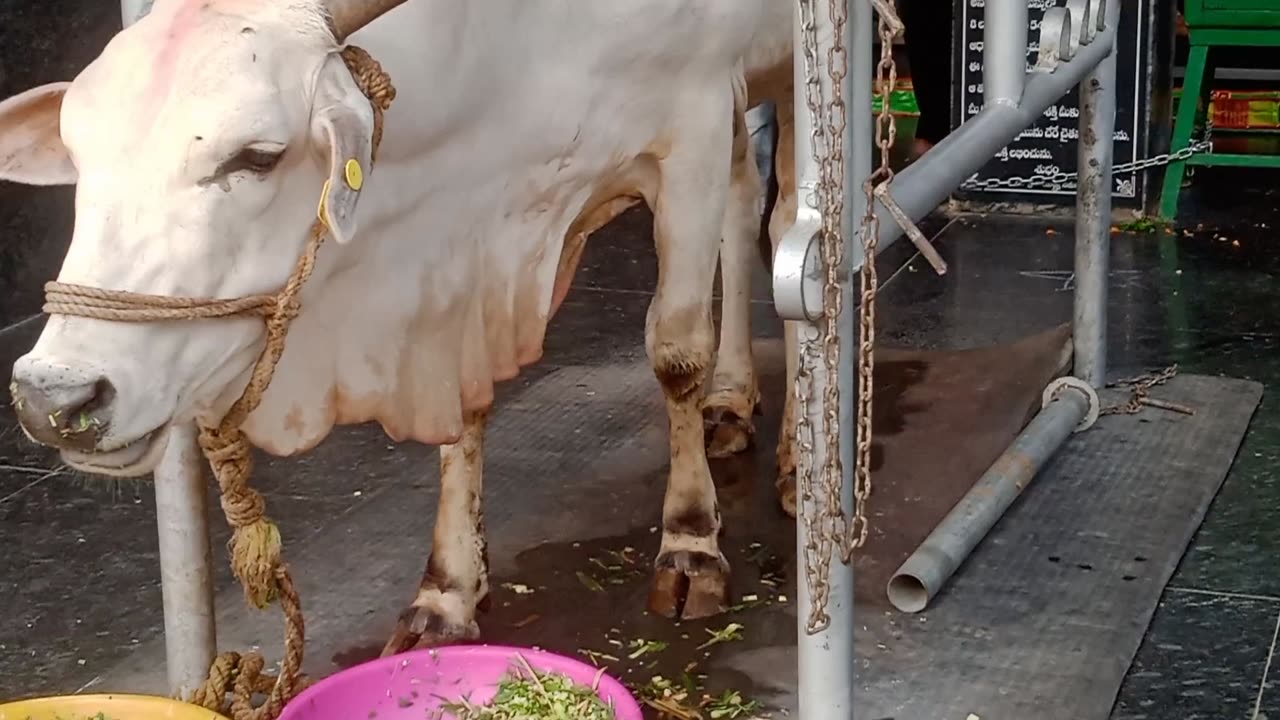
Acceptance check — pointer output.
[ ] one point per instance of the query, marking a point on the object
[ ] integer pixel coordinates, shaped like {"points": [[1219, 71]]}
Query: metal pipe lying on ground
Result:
{"points": [[925, 572], [927, 182]]}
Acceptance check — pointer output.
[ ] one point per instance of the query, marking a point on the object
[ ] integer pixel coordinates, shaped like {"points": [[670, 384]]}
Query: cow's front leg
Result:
{"points": [[734, 396], [690, 573], [456, 581]]}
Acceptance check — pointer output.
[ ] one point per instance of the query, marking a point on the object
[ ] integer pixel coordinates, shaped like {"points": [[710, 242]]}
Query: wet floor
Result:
{"points": [[78, 571]]}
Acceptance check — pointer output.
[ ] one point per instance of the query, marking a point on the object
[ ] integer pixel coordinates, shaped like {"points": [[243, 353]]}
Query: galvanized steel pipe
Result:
{"points": [[825, 660], [1004, 51], [1093, 215], [186, 575], [182, 524], [927, 570]]}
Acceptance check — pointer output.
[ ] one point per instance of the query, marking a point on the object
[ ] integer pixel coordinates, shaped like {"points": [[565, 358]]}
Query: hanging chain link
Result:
{"points": [[826, 527], [1060, 179]]}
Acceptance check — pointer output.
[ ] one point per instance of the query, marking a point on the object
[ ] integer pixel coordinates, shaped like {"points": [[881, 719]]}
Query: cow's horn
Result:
{"points": [[348, 16]]}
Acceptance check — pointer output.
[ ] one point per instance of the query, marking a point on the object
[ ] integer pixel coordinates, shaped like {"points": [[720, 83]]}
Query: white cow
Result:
{"points": [[199, 140]]}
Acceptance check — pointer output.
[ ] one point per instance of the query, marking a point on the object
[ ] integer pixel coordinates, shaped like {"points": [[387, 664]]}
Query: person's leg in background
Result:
{"points": [[928, 40]]}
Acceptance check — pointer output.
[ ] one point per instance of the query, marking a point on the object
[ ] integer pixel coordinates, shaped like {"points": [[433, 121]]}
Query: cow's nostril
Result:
{"points": [[63, 414], [91, 415]]}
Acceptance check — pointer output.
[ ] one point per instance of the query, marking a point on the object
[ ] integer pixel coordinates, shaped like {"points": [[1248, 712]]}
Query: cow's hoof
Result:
{"points": [[786, 484], [425, 627], [689, 585]]}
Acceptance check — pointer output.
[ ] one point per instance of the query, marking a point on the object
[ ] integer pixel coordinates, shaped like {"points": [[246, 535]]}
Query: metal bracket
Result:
{"points": [[1055, 40], [1082, 31], [797, 265], [797, 268], [1068, 382]]}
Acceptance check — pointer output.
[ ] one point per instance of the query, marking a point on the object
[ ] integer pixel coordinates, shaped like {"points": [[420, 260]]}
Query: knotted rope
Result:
{"points": [[255, 544]]}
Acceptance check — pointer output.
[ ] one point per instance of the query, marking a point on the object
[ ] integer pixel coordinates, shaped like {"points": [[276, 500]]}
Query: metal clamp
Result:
{"points": [[1055, 40], [797, 269], [1057, 387]]}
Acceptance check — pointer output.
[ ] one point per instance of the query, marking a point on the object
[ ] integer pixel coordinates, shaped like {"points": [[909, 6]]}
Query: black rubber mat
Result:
{"points": [[1046, 616], [1040, 624]]}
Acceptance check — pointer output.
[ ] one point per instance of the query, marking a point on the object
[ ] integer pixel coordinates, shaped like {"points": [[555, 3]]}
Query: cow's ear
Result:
{"points": [[343, 130], [31, 149]]}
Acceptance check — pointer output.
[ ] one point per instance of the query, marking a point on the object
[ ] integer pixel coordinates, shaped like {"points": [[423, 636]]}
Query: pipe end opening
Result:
{"points": [[908, 593]]}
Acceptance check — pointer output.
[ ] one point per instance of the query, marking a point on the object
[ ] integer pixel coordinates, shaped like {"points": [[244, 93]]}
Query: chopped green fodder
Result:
{"points": [[526, 694]]}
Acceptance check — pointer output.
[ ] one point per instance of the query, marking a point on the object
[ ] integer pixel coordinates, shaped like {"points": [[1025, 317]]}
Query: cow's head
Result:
{"points": [[199, 141]]}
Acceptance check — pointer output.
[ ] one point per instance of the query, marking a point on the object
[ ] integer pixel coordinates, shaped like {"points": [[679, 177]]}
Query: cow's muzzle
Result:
{"points": [[60, 406]]}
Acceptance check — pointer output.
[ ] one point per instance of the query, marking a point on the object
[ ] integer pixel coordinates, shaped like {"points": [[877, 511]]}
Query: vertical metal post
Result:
{"points": [[186, 569], [1093, 211], [826, 659], [1004, 52], [182, 523]]}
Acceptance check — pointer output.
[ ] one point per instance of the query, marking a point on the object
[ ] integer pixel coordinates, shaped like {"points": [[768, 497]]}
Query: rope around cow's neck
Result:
{"points": [[255, 543]]}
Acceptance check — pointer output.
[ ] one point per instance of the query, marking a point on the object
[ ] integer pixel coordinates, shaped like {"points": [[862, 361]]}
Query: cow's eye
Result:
{"points": [[259, 160]]}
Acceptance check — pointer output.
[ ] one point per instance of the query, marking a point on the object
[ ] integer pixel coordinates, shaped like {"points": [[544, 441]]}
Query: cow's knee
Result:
{"points": [[681, 352]]}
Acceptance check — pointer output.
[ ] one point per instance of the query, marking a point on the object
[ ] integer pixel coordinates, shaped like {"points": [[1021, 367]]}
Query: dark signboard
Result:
{"points": [[1049, 147]]}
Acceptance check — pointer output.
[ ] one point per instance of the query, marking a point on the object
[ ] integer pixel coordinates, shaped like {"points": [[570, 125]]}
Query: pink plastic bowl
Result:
{"points": [[409, 686]]}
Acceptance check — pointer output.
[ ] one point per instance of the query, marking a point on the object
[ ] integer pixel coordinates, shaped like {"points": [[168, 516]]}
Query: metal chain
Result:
{"points": [[826, 528], [817, 548], [1139, 389], [1057, 180]]}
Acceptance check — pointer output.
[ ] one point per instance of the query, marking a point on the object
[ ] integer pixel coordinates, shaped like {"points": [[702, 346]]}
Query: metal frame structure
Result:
{"points": [[1076, 45], [1076, 48]]}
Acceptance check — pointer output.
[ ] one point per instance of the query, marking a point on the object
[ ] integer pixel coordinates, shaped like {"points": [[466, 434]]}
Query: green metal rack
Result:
{"points": [[1215, 23]]}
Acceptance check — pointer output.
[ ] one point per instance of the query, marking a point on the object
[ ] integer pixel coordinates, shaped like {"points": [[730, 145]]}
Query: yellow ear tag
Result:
{"points": [[324, 198], [355, 175]]}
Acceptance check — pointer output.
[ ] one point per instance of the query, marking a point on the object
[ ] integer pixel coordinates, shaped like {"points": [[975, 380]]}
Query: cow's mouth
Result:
{"points": [[137, 457]]}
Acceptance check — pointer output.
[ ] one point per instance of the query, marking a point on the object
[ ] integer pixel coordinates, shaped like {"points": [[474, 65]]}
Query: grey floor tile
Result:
{"points": [[1203, 659]]}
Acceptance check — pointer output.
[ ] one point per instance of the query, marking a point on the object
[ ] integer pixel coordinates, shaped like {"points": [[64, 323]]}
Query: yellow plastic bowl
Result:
{"points": [[108, 707]]}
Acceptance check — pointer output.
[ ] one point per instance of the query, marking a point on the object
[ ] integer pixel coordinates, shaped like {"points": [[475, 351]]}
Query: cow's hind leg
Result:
{"points": [[456, 581], [690, 573], [734, 396], [780, 221]]}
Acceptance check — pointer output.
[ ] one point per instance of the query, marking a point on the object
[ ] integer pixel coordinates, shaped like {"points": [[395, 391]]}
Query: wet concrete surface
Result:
{"points": [[78, 572]]}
